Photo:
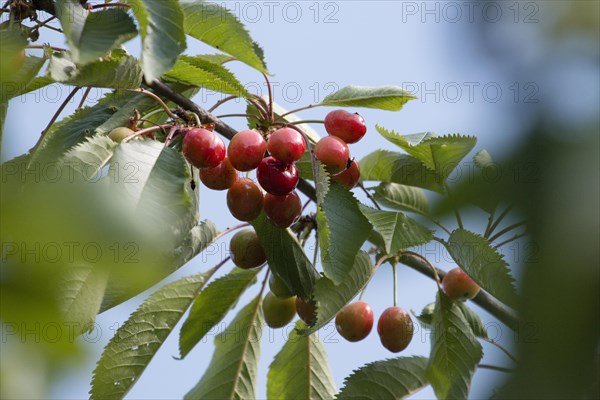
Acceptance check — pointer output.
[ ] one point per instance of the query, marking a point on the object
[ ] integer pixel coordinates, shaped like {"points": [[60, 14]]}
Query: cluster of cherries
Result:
{"points": [[273, 156], [355, 321]]}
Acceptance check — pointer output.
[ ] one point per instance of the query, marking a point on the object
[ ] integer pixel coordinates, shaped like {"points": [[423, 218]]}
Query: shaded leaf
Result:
{"points": [[12, 85], [88, 158], [300, 370], [331, 299], [390, 98], [136, 342], [401, 197], [395, 378], [211, 306], [474, 321], [233, 369]]}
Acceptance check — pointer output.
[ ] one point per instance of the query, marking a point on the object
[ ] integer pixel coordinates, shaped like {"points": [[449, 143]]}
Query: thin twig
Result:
{"points": [[369, 195], [496, 368], [222, 101], [56, 115], [146, 130], [490, 222], [103, 5], [231, 229], [505, 230], [157, 98], [270, 89], [500, 218], [296, 110], [426, 261], [85, 95], [505, 351], [239, 115], [456, 212], [512, 239], [44, 46], [262, 110]]}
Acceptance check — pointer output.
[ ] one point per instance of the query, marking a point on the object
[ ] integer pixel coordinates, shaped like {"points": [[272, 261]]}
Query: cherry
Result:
{"points": [[246, 250], [120, 133], [286, 145], [245, 199], [348, 127], [203, 148], [278, 312], [306, 311], [333, 153], [276, 177], [349, 177], [283, 211], [395, 329], [354, 321], [246, 149], [459, 286], [279, 288], [220, 177]]}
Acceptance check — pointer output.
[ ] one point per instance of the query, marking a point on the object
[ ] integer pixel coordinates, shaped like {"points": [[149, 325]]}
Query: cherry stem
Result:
{"points": [[44, 23], [504, 350], [239, 115], [496, 368], [222, 101], [171, 135], [104, 5], [500, 218], [436, 222], [44, 46], [264, 283], [375, 268], [296, 110], [369, 195], [270, 89], [308, 121], [231, 229], [305, 205], [146, 130], [85, 95], [456, 213], [486, 233], [512, 239], [261, 109], [505, 230], [56, 115], [395, 283], [157, 98]]}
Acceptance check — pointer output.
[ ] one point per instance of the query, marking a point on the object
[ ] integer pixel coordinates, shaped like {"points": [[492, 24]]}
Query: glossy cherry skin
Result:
{"points": [[276, 177], [348, 127], [283, 211], [348, 177], [306, 311], [279, 288], [245, 199], [278, 312], [246, 149], [459, 286], [355, 321], [286, 145], [221, 177], [333, 153], [395, 329], [203, 148], [246, 250], [120, 133]]}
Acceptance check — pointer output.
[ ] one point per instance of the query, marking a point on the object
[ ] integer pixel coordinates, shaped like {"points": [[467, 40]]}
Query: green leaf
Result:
{"points": [[455, 352], [199, 72], [390, 98], [12, 42], [81, 289], [300, 370], [426, 316], [219, 28], [211, 306], [474, 321], [395, 378], [342, 230], [36, 83], [392, 167], [136, 342], [483, 264], [401, 197], [119, 72], [439, 153], [88, 158], [163, 37], [399, 232], [16, 84], [233, 369], [286, 258], [72, 16], [103, 31], [331, 298]]}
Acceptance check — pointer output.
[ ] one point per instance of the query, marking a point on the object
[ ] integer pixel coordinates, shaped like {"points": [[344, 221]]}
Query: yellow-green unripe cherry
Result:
{"points": [[278, 312]]}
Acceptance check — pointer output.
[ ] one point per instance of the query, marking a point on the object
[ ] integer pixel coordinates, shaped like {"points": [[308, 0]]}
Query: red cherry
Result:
{"points": [[246, 150], [203, 148], [349, 177], [245, 199], [283, 211], [395, 329], [354, 322], [276, 177], [286, 145], [459, 286], [306, 311], [333, 153], [220, 177], [348, 127]]}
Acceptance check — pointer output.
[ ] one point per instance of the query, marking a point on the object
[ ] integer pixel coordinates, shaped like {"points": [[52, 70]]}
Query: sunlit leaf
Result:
{"points": [[390, 98], [401, 197]]}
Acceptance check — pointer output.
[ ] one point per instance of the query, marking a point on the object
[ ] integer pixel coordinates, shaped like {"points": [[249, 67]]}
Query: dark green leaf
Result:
{"points": [[218, 27], [401, 197], [426, 316], [395, 378], [390, 98], [301, 370], [399, 232], [332, 298], [474, 321], [342, 230], [286, 258], [388, 166], [233, 369], [211, 306], [12, 85], [131, 349], [483, 264], [455, 352], [163, 37]]}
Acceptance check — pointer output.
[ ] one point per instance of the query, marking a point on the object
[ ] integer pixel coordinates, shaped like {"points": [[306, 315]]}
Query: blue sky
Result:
{"points": [[312, 48]]}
